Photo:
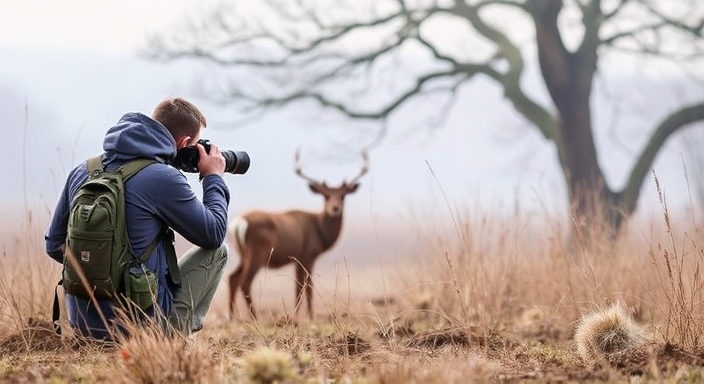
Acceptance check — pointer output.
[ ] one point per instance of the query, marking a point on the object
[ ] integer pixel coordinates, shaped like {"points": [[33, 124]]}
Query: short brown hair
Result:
{"points": [[180, 117]]}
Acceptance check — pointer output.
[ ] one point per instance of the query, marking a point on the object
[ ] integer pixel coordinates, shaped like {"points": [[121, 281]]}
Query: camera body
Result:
{"points": [[236, 162]]}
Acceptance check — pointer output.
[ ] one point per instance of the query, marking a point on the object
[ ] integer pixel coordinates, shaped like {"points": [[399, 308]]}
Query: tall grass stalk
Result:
{"points": [[461, 239], [678, 267], [26, 273]]}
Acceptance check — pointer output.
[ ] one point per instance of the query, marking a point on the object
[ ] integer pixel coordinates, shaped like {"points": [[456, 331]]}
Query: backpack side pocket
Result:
{"points": [[141, 286]]}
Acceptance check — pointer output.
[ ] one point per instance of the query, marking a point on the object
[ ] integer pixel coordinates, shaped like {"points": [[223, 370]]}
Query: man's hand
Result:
{"points": [[210, 163]]}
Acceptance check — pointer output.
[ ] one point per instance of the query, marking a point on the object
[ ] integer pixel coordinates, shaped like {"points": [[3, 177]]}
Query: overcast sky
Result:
{"points": [[72, 64], [105, 26]]}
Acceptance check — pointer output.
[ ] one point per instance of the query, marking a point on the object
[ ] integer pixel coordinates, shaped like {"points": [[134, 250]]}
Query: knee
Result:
{"points": [[216, 257], [220, 256]]}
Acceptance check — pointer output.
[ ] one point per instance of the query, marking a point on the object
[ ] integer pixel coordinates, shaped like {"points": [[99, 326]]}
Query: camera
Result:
{"points": [[236, 162]]}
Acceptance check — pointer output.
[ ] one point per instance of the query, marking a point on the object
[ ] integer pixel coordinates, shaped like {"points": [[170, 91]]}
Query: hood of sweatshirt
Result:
{"points": [[138, 136]]}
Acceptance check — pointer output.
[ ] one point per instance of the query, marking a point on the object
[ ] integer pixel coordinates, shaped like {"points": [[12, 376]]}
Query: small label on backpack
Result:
{"points": [[85, 256]]}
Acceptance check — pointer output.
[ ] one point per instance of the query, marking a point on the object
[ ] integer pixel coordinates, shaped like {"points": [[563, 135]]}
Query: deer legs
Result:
{"points": [[238, 281], [234, 284], [242, 279]]}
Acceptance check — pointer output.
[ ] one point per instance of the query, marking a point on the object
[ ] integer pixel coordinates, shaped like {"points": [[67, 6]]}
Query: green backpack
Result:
{"points": [[98, 254], [98, 259]]}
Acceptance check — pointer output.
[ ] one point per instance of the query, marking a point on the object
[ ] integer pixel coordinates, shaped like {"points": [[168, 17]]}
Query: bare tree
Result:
{"points": [[330, 52]]}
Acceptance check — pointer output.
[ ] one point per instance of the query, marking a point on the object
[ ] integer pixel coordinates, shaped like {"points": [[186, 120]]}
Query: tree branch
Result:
{"points": [[672, 123], [617, 10], [380, 113], [610, 40], [552, 54], [694, 30], [648, 37]]}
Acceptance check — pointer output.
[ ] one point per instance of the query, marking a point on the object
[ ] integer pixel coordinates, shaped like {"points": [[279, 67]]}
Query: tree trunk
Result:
{"points": [[568, 77], [593, 204]]}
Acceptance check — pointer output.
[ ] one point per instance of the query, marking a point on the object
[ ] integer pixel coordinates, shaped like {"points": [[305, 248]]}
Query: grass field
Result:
{"points": [[480, 299]]}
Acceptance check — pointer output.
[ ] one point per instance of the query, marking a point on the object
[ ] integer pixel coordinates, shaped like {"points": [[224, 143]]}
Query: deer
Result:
{"points": [[266, 239]]}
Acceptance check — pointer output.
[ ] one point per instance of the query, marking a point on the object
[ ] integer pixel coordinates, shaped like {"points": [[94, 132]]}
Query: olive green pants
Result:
{"points": [[201, 271]]}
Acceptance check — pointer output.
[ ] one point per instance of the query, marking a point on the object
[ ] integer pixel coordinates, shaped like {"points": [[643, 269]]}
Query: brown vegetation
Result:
{"points": [[488, 298]]}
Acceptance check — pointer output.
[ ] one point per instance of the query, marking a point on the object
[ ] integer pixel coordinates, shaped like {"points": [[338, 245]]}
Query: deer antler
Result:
{"points": [[299, 170], [365, 167]]}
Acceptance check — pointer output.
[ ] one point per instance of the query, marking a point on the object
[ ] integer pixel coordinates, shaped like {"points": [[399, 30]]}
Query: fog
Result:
{"points": [[58, 99], [55, 108]]}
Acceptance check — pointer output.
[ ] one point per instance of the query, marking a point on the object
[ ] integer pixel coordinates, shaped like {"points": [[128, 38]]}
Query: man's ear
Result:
{"points": [[183, 142]]}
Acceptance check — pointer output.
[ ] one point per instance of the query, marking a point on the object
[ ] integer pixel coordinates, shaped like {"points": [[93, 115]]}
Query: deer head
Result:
{"points": [[334, 196]]}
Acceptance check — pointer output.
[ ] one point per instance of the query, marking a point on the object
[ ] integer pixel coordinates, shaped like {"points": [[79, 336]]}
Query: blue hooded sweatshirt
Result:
{"points": [[157, 197]]}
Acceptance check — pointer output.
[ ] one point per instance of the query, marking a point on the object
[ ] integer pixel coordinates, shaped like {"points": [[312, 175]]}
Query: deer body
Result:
{"points": [[275, 239]]}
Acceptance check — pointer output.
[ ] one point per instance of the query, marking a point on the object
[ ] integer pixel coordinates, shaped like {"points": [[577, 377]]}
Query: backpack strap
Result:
{"points": [[55, 310], [130, 168], [167, 236], [171, 260], [95, 165], [168, 239], [148, 251]]}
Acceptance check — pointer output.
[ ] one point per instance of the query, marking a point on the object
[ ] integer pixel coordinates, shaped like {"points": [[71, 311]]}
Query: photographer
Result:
{"points": [[157, 198]]}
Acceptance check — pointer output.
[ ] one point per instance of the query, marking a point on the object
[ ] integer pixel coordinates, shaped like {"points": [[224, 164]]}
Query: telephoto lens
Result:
{"points": [[236, 162]]}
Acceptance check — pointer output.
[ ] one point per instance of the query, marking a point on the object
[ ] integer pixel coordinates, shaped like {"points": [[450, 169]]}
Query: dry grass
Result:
{"points": [[495, 299], [678, 269]]}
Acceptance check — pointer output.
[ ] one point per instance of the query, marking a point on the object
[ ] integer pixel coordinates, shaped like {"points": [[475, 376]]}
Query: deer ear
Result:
{"points": [[314, 188], [352, 187]]}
